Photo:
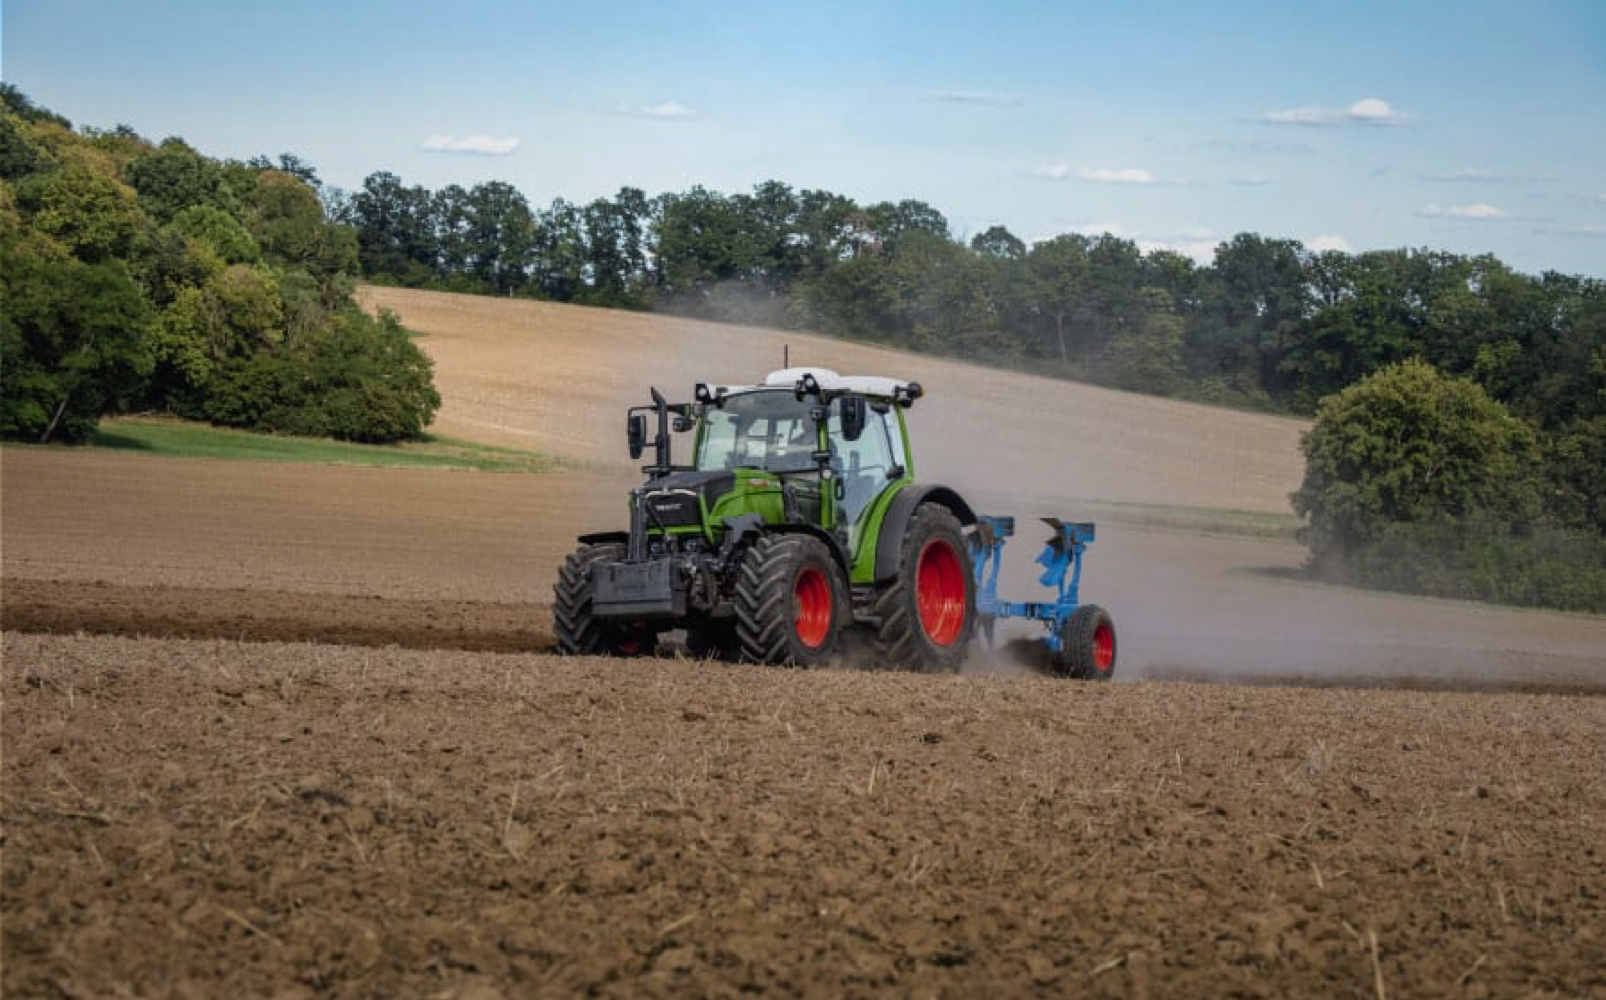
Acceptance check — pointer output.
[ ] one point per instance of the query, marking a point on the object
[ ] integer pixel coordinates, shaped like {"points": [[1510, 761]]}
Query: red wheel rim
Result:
{"points": [[1104, 647], [940, 592], [813, 621]]}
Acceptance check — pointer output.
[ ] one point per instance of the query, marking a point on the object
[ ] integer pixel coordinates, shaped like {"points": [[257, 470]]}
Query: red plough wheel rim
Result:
{"points": [[813, 607], [940, 592], [1104, 647]]}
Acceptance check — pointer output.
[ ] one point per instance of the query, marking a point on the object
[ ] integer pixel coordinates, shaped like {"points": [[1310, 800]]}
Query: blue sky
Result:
{"points": [[1466, 126]]}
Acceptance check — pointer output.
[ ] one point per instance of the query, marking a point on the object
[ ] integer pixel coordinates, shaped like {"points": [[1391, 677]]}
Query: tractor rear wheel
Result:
{"points": [[1087, 644], [579, 632], [928, 612], [788, 601]]}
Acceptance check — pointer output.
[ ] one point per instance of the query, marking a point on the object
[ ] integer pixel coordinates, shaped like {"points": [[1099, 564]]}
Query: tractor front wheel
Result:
{"points": [[1087, 644], [578, 630], [788, 601], [928, 612]]}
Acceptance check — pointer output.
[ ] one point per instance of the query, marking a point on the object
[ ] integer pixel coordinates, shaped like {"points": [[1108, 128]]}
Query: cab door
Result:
{"points": [[864, 467]]}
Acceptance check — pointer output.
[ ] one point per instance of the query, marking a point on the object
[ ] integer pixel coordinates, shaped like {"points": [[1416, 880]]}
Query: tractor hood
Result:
{"points": [[674, 497]]}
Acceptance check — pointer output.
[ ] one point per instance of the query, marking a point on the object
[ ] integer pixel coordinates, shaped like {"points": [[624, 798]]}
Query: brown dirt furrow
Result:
{"points": [[66, 607], [223, 819]]}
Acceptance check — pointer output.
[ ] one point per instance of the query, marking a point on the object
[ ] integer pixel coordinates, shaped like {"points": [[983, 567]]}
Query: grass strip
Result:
{"points": [[172, 438]]}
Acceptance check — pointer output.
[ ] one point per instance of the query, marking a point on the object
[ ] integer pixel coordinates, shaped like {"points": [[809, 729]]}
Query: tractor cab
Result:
{"points": [[832, 445]]}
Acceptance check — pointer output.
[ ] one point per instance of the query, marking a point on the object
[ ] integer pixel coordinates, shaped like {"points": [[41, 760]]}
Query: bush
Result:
{"points": [[1575, 474], [354, 378], [1480, 558], [72, 343], [1411, 444]]}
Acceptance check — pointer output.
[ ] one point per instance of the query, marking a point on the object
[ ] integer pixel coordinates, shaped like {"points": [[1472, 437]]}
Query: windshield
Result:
{"points": [[758, 430]]}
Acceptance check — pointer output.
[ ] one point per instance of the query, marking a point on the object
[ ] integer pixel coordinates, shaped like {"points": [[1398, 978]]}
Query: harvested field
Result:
{"points": [[309, 742], [557, 378], [212, 818]]}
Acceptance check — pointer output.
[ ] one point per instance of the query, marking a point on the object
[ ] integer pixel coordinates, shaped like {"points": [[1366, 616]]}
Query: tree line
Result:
{"points": [[1267, 323], [143, 276]]}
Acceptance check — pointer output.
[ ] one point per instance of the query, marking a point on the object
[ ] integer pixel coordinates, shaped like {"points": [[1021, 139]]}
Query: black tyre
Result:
{"points": [[578, 631], [788, 601], [1087, 644], [928, 612]]}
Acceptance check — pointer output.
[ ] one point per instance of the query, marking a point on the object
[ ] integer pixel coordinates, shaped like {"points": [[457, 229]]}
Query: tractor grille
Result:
{"points": [[674, 509]]}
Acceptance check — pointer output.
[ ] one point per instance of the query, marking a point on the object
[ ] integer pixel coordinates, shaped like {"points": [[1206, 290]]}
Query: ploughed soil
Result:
{"points": [[211, 818]]}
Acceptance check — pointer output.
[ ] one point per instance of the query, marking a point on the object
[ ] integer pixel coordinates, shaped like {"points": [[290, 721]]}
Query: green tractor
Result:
{"points": [[797, 523]]}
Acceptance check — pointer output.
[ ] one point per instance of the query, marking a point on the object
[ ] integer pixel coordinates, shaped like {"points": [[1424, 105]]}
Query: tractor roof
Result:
{"points": [[830, 381]]}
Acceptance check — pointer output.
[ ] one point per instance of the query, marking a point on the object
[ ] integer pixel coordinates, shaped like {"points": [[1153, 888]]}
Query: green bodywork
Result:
{"points": [[758, 490]]}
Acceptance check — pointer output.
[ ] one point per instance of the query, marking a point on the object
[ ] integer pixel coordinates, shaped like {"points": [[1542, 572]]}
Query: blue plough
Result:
{"points": [[1081, 637]]}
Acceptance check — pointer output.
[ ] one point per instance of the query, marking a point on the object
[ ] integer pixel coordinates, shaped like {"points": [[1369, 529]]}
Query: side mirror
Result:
{"points": [[852, 417], [636, 429]]}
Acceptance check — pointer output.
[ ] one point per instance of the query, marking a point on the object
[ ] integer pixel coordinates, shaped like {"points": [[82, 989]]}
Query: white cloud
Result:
{"points": [[1127, 175], [1322, 244], [1367, 111], [982, 97], [478, 145], [1480, 212], [1106, 175], [1374, 111], [664, 111]]}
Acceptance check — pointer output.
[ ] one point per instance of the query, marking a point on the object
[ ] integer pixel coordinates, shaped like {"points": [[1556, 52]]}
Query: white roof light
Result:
{"points": [[830, 381]]}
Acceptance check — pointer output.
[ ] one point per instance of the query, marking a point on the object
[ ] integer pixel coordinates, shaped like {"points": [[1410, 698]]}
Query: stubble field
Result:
{"points": [[292, 730]]}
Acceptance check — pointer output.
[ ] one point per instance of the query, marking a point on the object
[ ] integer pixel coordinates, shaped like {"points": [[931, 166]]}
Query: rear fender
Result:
{"points": [[895, 522]]}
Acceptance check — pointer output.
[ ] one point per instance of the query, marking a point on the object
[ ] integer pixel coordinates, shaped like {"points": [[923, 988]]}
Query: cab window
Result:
{"points": [[862, 465]]}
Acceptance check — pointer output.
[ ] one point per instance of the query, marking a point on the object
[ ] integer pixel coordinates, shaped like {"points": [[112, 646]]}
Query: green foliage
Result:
{"points": [[1419, 482], [93, 216], [220, 231], [1482, 558], [17, 105], [186, 439], [1575, 474], [356, 378], [159, 278], [19, 154], [1410, 444], [72, 343], [174, 178], [286, 220], [1148, 357]]}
